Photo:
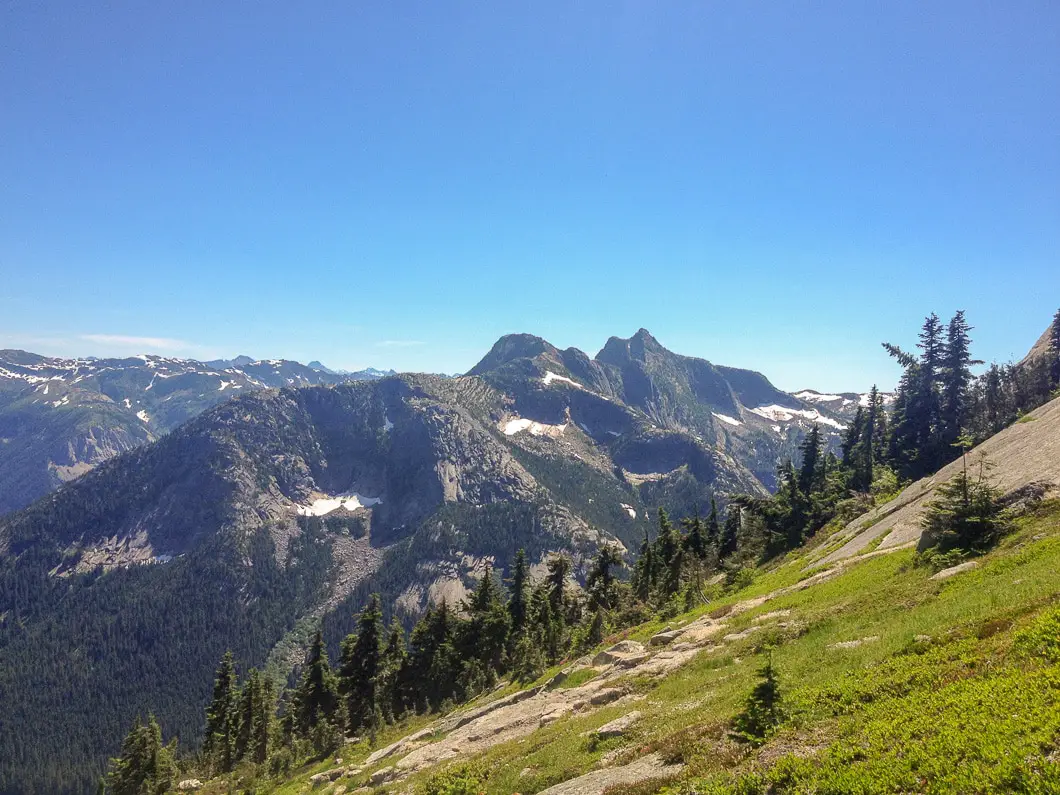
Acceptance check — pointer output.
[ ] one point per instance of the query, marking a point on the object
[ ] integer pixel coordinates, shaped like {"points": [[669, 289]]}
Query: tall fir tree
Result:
{"points": [[668, 556], [600, 579], [264, 722], [559, 567], [852, 437], [695, 538], [487, 628], [393, 687], [956, 377], [644, 569], [730, 533], [713, 529], [145, 766], [248, 708], [360, 669], [316, 700], [219, 742], [520, 593], [810, 468]]}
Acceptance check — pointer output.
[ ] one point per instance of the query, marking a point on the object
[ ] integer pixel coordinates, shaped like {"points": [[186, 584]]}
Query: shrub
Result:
{"points": [[762, 712], [466, 779], [966, 515]]}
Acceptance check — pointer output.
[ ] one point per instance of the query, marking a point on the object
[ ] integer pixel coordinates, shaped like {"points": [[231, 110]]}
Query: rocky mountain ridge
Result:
{"points": [[61, 417]]}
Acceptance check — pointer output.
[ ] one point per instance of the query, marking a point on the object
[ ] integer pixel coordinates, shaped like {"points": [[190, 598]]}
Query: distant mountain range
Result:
{"points": [[61, 417]]}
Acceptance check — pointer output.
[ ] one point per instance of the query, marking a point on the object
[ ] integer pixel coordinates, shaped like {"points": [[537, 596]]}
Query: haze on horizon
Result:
{"points": [[772, 187]]}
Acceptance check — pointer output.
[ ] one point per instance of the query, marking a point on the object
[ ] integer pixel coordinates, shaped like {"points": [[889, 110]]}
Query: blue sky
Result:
{"points": [[778, 186]]}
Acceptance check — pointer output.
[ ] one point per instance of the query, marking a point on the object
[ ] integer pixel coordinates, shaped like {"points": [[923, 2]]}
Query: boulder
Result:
{"points": [[382, 776], [620, 651], [606, 696], [189, 785], [618, 726], [327, 776], [945, 574], [665, 638]]}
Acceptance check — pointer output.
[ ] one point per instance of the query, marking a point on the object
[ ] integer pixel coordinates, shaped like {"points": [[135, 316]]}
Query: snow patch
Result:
{"points": [[224, 385], [628, 509], [388, 426], [863, 399], [776, 413], [519, 424], [128, 405], [325, 505], [816, 397], [143, 415], [727, 419], [551, 376]]}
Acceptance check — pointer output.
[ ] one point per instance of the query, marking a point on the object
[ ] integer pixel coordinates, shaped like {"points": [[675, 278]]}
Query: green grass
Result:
{"points": [[958, 692]]}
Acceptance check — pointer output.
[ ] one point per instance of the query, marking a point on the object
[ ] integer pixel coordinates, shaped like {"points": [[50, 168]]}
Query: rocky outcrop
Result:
{"points": [[597, 781], [1024, 454]]}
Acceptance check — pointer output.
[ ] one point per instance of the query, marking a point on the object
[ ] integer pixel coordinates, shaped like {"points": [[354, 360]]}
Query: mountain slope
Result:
{"points": [[893, 679], [61, 417], [228, 531]]}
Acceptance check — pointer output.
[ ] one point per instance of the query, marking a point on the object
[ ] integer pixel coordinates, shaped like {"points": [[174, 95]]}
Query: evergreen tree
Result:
{"points": [[393, 686], [487, 628], [433, 665], [528, 658], [559, 567], [360, 669], [730, 532], [956, 378], [810, 470], [643, 582], [219, 742], [966, 513], [600, 579], [548, 628], [263, 721], [668, 556], [762, 712], [695, 538], [713, 528], [520, 592], [852, 437], [247, 711], [786, 517], [316, 700], [867, 447], [145, 766]]}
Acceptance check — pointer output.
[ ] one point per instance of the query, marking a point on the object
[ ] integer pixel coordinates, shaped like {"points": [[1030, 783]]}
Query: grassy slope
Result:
{"points": [[959, 691]]}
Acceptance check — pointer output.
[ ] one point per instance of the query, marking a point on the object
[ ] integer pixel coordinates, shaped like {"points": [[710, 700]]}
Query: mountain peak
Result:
{"points": [[619, 351], [511, 347]]}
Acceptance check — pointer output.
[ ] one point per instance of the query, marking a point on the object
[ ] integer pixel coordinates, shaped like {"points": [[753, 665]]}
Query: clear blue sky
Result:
{"points": [[770, 185]]}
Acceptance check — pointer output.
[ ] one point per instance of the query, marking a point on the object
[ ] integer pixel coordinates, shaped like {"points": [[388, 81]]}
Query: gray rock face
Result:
{"points": [[594, 783], [664, 638], [618, 726], [621, 651], [953, 571]]}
